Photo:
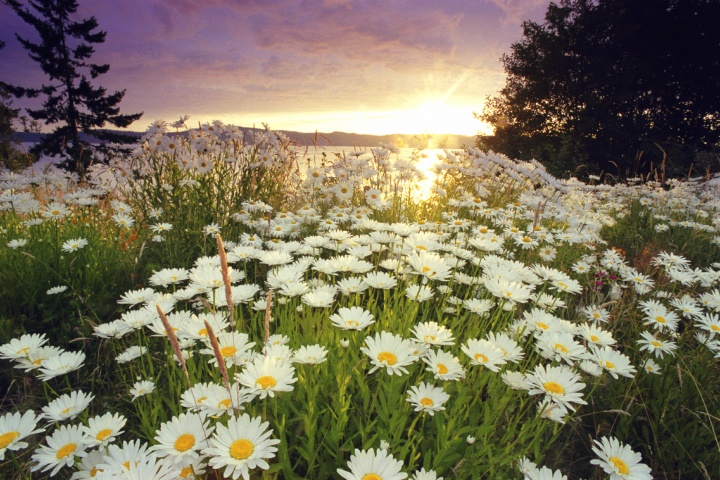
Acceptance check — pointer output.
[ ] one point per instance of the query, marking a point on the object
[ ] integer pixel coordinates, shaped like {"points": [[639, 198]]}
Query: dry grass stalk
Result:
{"points": [[226, 278], [173, 342], [218, 356]]}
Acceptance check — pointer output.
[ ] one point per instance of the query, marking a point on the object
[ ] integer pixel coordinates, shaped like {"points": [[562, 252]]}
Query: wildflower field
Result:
{"points": [[215, 306]]}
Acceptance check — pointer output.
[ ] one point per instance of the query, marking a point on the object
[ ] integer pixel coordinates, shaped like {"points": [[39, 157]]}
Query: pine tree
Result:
{"points": [[71, 100]]}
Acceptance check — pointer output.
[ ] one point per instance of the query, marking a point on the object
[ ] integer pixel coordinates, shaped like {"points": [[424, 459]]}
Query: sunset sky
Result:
{"points": [[376, 66]]}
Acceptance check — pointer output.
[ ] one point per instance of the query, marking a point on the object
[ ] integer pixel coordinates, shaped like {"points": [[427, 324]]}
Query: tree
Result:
{"points": [[612, 85], [71, 100], [10, 156]]}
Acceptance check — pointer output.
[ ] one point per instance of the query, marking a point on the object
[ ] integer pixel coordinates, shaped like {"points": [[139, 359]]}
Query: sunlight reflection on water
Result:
{"points": [[425, 164]]}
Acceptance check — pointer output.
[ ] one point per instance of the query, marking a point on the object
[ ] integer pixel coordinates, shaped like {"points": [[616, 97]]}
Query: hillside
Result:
{"points": [[334, 139]]}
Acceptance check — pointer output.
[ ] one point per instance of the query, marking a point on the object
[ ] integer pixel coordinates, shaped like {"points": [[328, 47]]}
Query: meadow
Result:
{"points": [[214, 306]]}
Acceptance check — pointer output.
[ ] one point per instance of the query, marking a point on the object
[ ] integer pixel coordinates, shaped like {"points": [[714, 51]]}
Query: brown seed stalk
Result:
{"points": [[218, 356], [173, 342]]}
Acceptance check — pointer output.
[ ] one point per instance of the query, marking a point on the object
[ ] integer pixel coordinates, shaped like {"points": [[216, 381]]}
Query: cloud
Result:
{"points": [[516, 11]]}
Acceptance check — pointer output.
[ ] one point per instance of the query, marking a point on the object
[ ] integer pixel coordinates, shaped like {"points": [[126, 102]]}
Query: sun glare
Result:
{"points": [[429, 117]]}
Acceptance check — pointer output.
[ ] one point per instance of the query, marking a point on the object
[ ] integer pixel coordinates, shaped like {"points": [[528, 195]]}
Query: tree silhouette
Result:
{"points": [[614, 85], [70, 99]]}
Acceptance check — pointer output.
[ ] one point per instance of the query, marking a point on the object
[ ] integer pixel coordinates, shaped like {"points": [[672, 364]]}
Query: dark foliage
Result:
{"points": [[613, 85]]}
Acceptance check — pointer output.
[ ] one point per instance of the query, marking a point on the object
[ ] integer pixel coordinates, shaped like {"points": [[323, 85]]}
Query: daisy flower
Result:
{"points": [[264, 376], [120, 458], [425, 475], [656, 345], [559, 385], [429, 265], [544, 473], [219, 400], [64, 445], [433, 334], [658, 316], [233, 347], [14, 428], [619, 461], [60, 364], [242, 445], [21, 347], [419, 293], [131, 353], [56, 290], [74, 245], [182, 438], [373, 465], [123, 220], [444, 365], [141, 388], [513, 292], [511, 350], [484, 353], [427, 398], [310, 354], [66, 406], [389, 351], [561, 346], [651, 367], [17, 243], [515, 380], [35, 359], [88, 467], [595, 335], [353, 318], [614, 362], [102, 430], [596, 314]]}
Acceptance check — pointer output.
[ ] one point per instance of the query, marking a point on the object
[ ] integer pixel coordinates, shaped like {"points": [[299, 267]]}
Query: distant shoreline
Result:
{"points": [[429, 140]]}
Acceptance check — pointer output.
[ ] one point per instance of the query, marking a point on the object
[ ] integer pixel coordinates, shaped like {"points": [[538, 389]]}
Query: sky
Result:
{"points": [[373, 67]]}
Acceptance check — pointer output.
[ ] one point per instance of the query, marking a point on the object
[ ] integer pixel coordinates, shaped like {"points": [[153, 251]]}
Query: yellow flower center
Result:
{"points": [[426, 269], [544, 326], [66, 450], [660, 319], [184, 442], [420, 247], [7, 438], [620, 465], [67, 410], [594, 338], [387, 358], [352, 323], [224, 403], [185, 472], [427, 402], [479, 357], [241, 449], [429, 338], [23, 351], [714, 328], [560, 347], [655, 343], [554, 387], [442, 369], [228, 351], [266, 382], [371, 476], [94, 471], [609, 365], [203, 332], [103, 434]]}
